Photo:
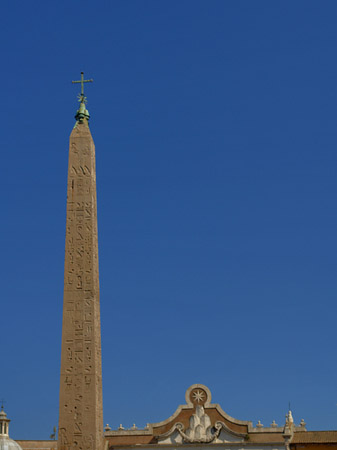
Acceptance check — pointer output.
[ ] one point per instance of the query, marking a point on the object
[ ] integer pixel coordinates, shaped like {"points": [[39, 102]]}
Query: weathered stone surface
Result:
{"points": [[81, 409]]}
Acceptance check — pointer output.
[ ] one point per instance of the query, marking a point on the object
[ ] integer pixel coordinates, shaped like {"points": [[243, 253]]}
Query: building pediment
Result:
{"points": [[198, 421], [200, 431]]}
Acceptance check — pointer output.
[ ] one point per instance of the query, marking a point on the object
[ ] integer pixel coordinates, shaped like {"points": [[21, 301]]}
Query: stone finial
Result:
{"points": [[121, 427], [134, 427], [107, 427], [273, 424], [259, 424], [302, 423]]}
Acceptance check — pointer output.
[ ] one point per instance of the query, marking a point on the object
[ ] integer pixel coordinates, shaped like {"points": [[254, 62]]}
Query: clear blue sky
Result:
{"points": [[215, 131]]}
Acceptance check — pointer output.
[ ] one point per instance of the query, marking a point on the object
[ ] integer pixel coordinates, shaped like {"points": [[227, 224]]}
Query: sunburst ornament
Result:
{"points": [[82, 98], [198, 396]]}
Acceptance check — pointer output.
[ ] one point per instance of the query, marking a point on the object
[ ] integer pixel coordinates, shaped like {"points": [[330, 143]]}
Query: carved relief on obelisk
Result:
{"points": [[81, 407]]}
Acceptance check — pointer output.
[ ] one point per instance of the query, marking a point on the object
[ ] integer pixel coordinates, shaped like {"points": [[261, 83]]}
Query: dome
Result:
{"points": [[6, 443]]}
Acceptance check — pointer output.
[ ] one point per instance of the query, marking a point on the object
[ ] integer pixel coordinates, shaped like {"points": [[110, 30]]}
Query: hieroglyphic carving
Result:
{"points": [[80, 417]]}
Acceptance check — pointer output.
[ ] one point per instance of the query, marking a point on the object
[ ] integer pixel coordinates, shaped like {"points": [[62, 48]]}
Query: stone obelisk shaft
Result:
{"points": [[81, 406]]}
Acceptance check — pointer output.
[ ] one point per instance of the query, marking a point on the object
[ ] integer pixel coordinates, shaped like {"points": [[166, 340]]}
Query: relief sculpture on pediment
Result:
{"points": [[200, 428]]}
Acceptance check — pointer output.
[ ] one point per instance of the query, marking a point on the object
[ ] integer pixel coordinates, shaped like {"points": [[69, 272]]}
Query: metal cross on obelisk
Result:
{"points": [[82, 81]]}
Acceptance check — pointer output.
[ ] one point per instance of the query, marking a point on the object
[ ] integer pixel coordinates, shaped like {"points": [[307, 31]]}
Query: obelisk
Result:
{"points": [[81, 406]]}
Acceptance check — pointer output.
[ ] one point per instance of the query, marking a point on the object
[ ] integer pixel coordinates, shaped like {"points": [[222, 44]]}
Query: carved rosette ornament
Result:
{"points": [[198, 396]]}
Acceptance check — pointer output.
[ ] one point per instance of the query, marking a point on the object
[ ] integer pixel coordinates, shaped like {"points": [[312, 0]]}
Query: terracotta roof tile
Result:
{"points": [[314, 437]]}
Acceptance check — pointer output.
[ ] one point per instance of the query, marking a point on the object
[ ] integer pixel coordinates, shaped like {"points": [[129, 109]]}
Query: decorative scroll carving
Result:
{"points": [[200, 430]]}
